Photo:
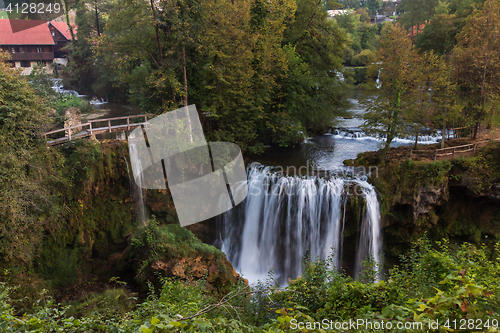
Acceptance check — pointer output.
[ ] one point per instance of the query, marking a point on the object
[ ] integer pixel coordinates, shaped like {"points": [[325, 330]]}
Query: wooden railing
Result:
{"points": [[450, 152], [460, 132], [94, 129]]}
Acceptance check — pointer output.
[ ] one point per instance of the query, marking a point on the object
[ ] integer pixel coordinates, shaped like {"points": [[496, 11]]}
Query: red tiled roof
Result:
{"points": [[64, 29], [413, 31], [29, 32]]}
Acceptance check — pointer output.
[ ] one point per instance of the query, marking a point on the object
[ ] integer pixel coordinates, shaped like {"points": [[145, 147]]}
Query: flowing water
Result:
{"points": [[293, 212], [285, 219], [137, 191]]}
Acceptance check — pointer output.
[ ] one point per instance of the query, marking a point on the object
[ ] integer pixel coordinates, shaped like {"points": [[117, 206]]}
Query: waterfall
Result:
{"points": [[58, 88], [356, 133], [97, 101], [370, 240], [285, 219], [137, 187], [377, 82]]}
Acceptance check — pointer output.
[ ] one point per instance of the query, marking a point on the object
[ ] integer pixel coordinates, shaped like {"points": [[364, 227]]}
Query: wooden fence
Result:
{"points": [[460, 132], [95, 128], [449, 152]]}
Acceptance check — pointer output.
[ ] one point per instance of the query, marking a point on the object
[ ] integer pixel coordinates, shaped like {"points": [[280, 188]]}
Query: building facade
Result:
{"points": [[31, 43]]}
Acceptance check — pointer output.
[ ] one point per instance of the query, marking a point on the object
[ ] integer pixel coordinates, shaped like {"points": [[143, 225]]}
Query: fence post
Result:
{"points": [[128, 123], [474, 152], [69, 132], [109, 126], [145, 118], [90, 124], [435, 154]]}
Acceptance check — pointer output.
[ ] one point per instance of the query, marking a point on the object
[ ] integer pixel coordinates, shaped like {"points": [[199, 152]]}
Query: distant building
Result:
{"points": [[381, 19], [336, 12], [35, 42], [62, 37], [415, 30]]}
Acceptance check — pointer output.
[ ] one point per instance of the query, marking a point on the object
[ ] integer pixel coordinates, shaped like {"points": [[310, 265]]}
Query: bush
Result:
{"points": [[434, 282], [65, 102]]}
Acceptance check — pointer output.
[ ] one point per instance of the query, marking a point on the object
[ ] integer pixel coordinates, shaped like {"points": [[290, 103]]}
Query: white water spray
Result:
{"points": [[285, 219], [137, 187]]}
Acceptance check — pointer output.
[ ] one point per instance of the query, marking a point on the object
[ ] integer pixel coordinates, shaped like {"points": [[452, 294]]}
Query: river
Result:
{"points": [[289, 215]]}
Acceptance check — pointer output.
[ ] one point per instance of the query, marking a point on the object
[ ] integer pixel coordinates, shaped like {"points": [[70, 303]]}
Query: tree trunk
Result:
{"points": [[186, 94], [443, 134], [97, 19], [476, 128], [416, 139], [383, 153], [160, 51], [66, 9], [185, 75]]}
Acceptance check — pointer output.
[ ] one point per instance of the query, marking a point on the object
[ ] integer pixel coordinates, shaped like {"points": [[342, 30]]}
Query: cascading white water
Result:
{"points": [[58, 88], [370, 240], [357, 133], [285, 219], [98, 101], [137, 188]]}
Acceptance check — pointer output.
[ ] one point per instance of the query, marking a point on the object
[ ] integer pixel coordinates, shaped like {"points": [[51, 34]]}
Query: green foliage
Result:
{"points": [[476, 65], [433, 282], [397, 63], [108, 304], [258, 73], [65, 102], [40, 81], [404, 180], [23, 199], [362, 38], [480, 172]]}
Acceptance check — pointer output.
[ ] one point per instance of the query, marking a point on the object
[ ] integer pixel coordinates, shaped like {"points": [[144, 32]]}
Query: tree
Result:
{"points": [[397, 61], [318, 42], [431, 95], [23, 200], [415, 13], [476, 61], [372, 5], [82, 72], [439, 35]]}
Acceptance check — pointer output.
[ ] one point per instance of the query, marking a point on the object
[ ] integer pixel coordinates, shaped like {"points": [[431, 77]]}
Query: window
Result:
{"points": [[53, 34], [25, 63], [38, 49]]}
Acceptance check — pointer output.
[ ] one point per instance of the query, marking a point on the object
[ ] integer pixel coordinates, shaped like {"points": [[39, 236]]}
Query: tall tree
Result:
{"points": [[318, 42], [476, 61], [23, 199], [431, 105], [415, 13], [439, 35], [397, 62]]}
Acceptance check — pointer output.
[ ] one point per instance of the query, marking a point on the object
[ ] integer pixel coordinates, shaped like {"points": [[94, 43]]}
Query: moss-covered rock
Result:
{"points": [[88, 236], [456, 199]]}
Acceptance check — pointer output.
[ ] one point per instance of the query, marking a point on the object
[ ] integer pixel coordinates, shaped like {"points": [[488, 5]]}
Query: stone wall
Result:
{"points": [[74, 118]]}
